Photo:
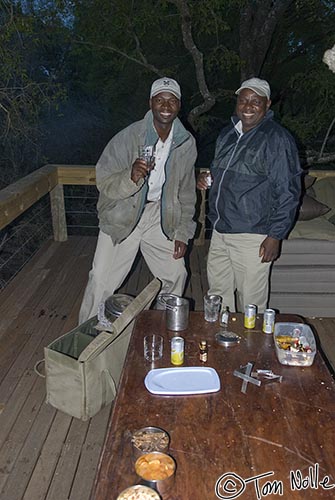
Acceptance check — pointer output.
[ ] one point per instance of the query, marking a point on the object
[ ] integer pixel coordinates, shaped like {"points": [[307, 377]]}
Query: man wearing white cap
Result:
{"points": [[253, 199], [145, 205]]}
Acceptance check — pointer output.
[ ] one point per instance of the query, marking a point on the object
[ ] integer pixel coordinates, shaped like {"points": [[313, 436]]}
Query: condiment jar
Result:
{"points": [[203, 351]]}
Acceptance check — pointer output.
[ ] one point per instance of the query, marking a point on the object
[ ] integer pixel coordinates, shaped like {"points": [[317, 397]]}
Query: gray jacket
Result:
{"points": [[121, 201]]}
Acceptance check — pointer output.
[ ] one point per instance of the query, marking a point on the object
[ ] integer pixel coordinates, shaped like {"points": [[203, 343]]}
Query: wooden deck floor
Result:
{"points": [[45, 454]]}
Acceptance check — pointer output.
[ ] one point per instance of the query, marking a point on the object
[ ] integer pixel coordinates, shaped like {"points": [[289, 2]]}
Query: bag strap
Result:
{"points": [[100, 342], [36, 368]]}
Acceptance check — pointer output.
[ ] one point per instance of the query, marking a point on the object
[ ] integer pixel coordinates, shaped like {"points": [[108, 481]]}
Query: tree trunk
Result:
{"points": [[198, 60], [258, 21]]}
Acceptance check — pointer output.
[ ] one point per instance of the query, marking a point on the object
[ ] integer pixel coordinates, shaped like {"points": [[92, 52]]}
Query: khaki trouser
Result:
{"points": [[112, 263], [233, 266]]}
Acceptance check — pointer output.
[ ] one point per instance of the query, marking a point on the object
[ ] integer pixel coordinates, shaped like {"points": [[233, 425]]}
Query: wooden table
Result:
{"points": [[284, 431]]}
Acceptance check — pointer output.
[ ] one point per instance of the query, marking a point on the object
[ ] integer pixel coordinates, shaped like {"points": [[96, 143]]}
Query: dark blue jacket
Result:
{"points": [[256, 180]]}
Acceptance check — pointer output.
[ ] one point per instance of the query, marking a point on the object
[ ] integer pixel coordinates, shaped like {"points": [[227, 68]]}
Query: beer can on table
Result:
{"points": [[269, 321], [250, 316], [177, 350]]}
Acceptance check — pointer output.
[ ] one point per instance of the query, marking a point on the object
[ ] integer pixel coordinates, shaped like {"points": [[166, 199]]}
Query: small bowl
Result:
{"points": [[156, 470], [149, 439], [227, 338], [142, 492]]}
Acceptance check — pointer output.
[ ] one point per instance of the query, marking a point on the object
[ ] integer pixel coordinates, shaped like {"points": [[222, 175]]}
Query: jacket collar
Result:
{"points": [[268, 116], [180, 134]]}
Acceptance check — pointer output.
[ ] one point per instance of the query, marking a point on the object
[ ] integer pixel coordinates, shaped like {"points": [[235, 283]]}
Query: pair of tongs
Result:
{"points": [[255, 377], [267, 376]]}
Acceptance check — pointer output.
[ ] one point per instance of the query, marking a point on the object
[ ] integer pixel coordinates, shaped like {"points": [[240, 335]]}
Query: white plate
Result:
{"points": [[182, 381]]}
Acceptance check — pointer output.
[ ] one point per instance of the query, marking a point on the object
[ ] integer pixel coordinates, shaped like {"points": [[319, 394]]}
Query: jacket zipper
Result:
{"points": [[172, 147], [220, 184]]}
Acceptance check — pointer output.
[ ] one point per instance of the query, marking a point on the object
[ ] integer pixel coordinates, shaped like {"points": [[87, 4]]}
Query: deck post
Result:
{"points": [[200, 240], [58, 213]]}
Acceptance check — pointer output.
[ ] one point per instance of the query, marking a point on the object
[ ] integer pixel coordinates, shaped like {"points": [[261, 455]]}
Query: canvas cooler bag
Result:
{"points": [[82, 371]]}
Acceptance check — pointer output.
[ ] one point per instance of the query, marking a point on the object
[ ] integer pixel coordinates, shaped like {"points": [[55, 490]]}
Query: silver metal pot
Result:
{"points": [[177, 311]]}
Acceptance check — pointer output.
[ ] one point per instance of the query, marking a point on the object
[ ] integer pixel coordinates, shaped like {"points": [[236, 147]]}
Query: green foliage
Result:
{"points": [[107, 53], [221, 59], [137, 42], [27, 84], [303, 86], [310, 107]]}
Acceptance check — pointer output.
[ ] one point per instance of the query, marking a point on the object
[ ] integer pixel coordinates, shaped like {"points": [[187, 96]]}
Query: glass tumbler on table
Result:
{"points": [[153, 347], [212, 305]]}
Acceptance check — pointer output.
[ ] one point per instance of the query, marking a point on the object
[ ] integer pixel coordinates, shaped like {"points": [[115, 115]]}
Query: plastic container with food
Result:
{"points": [[295, 344], [138, 492], [149, 439], [156, 470]]}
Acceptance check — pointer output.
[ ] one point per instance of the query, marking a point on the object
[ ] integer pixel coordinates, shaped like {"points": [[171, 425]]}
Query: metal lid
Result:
{"points": [[163, 298], [117, 303], [140, 490], [227, 339]]}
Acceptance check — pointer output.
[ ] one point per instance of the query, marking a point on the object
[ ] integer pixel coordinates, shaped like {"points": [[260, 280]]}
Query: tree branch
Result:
{"points": [[143, 63], [186, 28], [258, 21], [326, 138]]}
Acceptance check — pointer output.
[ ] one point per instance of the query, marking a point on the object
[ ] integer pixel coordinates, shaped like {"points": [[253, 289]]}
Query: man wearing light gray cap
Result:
{"points": [[145, 203], [253, 199]]}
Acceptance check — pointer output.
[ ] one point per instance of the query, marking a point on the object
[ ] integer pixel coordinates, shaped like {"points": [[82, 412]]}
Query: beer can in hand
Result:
{"points": [[209, 179]]}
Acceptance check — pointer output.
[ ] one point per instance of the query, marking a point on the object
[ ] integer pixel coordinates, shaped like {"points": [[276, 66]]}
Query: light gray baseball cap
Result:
{"points": [[261, 87], [165, 84]]}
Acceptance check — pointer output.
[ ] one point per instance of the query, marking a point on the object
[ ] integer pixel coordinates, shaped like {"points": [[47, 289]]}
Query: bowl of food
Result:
{"points": [[138, 492], [294, 343], [156, 470], [149, 439]]}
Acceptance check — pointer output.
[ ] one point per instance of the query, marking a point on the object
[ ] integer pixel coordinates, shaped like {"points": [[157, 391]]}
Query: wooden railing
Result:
{"points": [[16, 198]]}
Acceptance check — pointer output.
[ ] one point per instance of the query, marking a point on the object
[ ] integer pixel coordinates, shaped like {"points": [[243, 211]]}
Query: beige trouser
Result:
{"points": [[233, 266], [112, 263]]}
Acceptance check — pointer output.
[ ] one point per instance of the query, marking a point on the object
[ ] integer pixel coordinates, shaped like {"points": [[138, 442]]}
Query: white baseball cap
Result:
{"points": [[165, 84], [261, 87]]}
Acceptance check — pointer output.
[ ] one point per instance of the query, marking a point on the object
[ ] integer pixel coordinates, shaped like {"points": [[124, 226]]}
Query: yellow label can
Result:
{"points": [[250, 316], [177, 351]]}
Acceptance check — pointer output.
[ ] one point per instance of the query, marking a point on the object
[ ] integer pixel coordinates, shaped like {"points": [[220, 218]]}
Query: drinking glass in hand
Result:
{"points": [[147, 153]]}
